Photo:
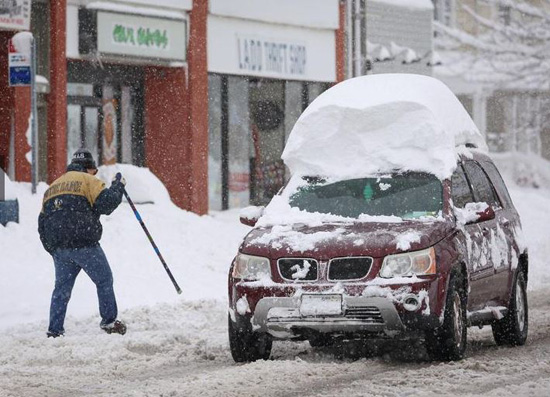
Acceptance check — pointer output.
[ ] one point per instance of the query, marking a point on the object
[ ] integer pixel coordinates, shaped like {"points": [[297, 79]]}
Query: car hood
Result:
{"points": [[335, 240]]}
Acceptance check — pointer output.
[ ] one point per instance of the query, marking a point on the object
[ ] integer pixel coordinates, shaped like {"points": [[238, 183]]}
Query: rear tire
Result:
{"points": [[245, 344], [513, 328], [448, 342]]}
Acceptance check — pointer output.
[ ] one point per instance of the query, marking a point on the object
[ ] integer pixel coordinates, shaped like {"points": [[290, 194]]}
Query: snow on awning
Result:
{"points": [[379, 53]]}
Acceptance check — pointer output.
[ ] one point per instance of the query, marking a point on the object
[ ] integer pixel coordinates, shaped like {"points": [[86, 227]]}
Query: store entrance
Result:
{"points": [[105, 112], [83, 121]]}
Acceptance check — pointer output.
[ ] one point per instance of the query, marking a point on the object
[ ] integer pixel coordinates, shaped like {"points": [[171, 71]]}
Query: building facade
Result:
{"points": [[204, 93], [512, 113], [266, 61]]}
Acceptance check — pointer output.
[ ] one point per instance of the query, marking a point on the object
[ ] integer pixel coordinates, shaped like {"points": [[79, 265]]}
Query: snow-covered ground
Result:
{"points": [[177, 345]]}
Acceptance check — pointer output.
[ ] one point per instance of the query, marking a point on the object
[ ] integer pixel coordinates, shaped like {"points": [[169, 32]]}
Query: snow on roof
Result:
{"points": [[381, 123], [420, 4], [131, 9]]}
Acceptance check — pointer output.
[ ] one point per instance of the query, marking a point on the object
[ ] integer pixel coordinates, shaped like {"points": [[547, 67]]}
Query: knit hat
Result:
{"points": [[84, 158]]}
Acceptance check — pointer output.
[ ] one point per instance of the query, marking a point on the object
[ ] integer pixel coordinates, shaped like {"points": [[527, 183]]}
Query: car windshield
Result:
{"points": [[408, 196]]}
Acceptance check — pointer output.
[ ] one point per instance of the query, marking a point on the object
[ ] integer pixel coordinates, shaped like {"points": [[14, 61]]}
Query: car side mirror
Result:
{"points": [[486, 215], [249, 216], [474, 213]]}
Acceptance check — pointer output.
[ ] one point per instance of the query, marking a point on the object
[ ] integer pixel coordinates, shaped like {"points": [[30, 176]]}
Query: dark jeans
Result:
{"points": [[68, 263]]}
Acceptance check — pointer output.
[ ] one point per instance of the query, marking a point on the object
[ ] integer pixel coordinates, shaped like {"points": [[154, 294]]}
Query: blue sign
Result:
{"points": [[20, 76]]}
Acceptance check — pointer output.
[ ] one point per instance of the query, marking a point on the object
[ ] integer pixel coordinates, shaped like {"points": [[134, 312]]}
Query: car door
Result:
{"points": [[471, 237], [508, 221], [494, 258]]}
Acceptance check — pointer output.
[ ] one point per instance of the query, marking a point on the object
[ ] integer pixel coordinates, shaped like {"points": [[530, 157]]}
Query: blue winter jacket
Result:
{"points": [[71, 209]]}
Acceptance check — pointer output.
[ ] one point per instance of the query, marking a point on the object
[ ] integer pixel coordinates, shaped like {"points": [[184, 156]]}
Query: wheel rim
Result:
{"points": [[458, 326], [520, 306]]}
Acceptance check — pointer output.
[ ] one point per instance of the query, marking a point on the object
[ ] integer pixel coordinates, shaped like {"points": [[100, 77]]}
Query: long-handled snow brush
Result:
{"points": [[138, 216]]}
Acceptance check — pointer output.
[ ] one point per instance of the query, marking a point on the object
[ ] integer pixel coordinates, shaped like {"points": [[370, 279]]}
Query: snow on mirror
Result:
{"points": [[474, 212], [249, 215]]}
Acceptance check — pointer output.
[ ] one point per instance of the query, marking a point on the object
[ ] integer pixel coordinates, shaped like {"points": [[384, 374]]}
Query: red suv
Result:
{"points": [[439, 256]]}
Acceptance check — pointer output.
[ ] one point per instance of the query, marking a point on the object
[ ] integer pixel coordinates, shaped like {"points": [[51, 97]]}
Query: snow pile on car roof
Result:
{"points": [[381, 123]]}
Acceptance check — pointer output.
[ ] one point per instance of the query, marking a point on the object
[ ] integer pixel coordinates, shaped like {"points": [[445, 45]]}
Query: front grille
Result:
{"points": [[349, 268], [298, 269], [370, 313]]}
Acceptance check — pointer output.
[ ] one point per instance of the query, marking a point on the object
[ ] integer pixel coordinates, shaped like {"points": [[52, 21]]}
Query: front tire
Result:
{"points": [[513, 328], [448, 342], [245, 344]]}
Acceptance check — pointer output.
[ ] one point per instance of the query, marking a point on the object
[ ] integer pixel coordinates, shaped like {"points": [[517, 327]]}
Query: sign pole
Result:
{"points": [[34, 118]]}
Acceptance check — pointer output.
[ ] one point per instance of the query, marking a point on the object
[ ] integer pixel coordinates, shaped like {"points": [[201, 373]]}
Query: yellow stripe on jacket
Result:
{"points": [[76, 183]]}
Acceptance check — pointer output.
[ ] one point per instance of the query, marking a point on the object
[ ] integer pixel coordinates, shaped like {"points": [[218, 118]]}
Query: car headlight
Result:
{"points": [[408, 264], [250, 267]]}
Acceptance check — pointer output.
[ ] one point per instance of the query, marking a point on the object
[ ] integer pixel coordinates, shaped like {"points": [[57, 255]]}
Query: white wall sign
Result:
{"points": [[280, 57], [121, 34], [15, 14], [285, 52]]}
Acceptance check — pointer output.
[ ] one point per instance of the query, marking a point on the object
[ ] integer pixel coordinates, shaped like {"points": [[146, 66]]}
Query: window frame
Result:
{"points": [[498, 202]]}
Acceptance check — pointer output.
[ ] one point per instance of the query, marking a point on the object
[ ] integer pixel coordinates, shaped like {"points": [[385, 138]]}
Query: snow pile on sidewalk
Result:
{"points": [[381, 123], [198, 250], [10, 189]]}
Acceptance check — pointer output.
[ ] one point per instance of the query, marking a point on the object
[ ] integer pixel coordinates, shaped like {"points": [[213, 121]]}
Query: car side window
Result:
{"points": [[483, 189], [460, 188], [498, 183]]}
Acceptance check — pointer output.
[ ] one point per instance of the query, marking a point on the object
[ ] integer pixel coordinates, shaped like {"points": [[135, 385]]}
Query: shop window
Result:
{"points": [[74, 130], [249, 122], [215, 190], [504, 14], [267, 106], [444, 12], [110, 101]]}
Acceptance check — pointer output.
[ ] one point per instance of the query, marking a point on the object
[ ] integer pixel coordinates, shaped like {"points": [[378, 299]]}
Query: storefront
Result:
{"points": [[128, 88], [109, 58], [265, 66], [19, 15]]}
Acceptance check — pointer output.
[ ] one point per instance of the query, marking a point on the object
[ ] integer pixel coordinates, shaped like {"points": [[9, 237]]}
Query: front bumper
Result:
{"points": [[281, 318], [367, 309]]}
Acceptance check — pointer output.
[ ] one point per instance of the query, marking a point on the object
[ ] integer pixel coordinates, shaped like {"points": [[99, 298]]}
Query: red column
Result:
{"points": [[167, 130], [341, 43], [15, 109], [198, 98], [57, 98], [21, 116], [5, 101]]}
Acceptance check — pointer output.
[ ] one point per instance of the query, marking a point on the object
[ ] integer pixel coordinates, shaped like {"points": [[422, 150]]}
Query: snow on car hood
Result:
{"points": [[344, 239], [381, 123]]}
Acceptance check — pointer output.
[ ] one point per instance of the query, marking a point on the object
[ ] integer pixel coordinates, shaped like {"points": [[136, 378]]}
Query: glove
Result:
{"points": [[119, 178]]}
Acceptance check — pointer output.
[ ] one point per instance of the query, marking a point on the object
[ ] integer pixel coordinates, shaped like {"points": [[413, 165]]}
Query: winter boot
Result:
{"points": [[51, 334], [116, 327]]}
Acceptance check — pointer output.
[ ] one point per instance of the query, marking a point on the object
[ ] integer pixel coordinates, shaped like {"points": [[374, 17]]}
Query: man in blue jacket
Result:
{"points": [[70, 231]]}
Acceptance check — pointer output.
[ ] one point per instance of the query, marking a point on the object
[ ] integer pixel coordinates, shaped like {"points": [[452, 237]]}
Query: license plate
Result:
{"points": [[321, 305]]}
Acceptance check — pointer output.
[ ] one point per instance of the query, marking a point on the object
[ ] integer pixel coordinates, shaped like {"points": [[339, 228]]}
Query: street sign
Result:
{"points": [[19, 67]]}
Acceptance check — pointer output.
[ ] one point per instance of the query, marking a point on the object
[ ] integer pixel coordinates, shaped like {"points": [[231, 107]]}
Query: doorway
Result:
{"points": [[83, 120]]}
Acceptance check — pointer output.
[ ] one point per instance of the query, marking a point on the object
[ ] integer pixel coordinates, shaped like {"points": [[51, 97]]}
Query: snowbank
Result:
{"points": [[381, 123], [142, 185], [10, 189], [198, 250]]}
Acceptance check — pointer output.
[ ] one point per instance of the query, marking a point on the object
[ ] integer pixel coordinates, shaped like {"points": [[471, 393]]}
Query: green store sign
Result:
{"points": [[141, 36]]}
